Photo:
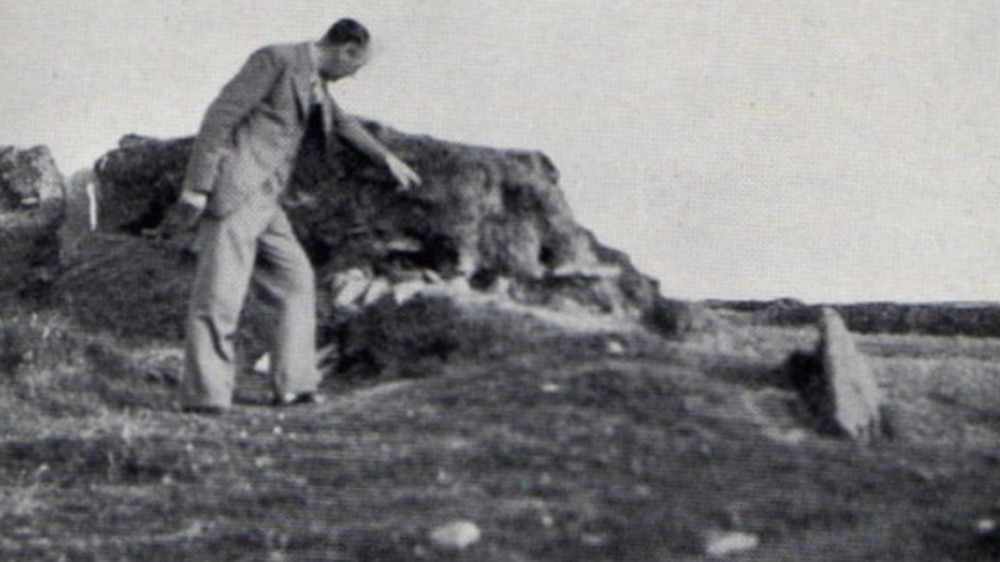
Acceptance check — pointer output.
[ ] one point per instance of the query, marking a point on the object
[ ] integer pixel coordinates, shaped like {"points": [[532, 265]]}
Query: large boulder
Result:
{"points": [[494, 219], [31, 210], [28, 177], [138, 182]]}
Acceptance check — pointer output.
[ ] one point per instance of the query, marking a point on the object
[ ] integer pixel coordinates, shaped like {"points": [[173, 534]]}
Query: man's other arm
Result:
{"points": [[237, 98]]}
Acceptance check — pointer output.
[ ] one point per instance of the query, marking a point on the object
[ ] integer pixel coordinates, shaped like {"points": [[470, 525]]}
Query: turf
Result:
{"points": [[590, 444]]}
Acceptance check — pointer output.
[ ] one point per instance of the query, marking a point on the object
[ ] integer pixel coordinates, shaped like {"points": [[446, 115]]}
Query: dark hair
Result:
{"points": [[347, 30]]}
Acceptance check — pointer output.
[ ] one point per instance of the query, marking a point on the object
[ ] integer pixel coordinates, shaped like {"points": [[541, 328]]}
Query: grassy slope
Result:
{"points": [[558, 449]]}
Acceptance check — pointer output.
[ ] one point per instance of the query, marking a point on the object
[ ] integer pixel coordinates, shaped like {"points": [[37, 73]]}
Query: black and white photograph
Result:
{"points": [[440, 280]]}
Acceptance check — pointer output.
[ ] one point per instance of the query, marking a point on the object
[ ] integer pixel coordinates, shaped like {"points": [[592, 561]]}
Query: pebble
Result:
{"points": [[719, 544], [615, 347], [456, 535]]}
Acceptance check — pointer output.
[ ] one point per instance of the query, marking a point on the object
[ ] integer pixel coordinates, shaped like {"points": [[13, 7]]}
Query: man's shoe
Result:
{"points": [[293, 399], [205, 410]]}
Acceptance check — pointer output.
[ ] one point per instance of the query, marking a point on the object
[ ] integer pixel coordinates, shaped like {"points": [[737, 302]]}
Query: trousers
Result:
{"points": [[253, 243]]}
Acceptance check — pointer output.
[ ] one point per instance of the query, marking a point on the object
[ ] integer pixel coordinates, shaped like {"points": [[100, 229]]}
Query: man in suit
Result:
{"points": [[241, 162]]}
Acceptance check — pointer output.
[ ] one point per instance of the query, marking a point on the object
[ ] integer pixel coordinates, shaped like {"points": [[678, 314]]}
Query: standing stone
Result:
{"points": [[837, 384]]}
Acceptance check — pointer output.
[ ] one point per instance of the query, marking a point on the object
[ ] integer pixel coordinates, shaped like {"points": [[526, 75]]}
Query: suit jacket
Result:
{"points": [[252, 130]]}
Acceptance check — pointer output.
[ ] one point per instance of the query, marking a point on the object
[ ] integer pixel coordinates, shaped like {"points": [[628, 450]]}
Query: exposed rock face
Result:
{"points": [[31, 208], [495, 219], [139, 181], [28, 177], [837, 383]]}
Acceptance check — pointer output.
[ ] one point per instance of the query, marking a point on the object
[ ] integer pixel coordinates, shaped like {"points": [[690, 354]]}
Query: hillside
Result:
{"points": [[559, 444], [552, 401]]}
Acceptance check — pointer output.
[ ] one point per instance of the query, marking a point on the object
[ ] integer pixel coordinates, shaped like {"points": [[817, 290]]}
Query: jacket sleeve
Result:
{"points": [[237, 98]]}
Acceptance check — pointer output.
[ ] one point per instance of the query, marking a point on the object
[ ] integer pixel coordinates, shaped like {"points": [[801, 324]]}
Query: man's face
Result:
{"points": [[341, 61]]}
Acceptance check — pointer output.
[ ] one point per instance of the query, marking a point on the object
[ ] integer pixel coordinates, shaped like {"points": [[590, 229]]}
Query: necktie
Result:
{"points": [[322, 97]]}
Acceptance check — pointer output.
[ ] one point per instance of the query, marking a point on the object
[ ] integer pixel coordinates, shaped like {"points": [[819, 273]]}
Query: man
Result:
{"points": [[241, 162]]}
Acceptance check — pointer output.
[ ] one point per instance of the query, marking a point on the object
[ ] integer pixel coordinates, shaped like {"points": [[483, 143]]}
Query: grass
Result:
{"points": [[557, 446]]}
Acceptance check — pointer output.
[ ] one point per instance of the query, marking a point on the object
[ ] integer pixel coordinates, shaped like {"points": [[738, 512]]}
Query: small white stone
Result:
{"points": [[263, 365], [350, 286], [986, 526], [719, 544], [403, 292], [457, 535], [550, 388], [501, 286], [378, 288], [458, 286], [615, 347]]}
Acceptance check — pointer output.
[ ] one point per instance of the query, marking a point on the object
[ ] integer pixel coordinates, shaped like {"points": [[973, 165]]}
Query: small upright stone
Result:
{"points": [[837, 384]]}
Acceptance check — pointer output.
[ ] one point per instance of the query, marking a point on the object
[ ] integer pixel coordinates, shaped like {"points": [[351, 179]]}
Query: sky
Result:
{"points": [[826, 150]]}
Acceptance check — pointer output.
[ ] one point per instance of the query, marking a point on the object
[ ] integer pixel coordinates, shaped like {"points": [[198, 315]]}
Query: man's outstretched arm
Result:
{"points": [[353, 132]]}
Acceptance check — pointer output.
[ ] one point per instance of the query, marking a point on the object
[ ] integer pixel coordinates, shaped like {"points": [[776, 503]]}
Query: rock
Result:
{"points": [[615, 347], [494, 219], [31, 211], [837, 384], [456, 535], [80, 216], [720, 544], [986, 534], [403, 292], [348, 287], [263, 365], [139, 181], [28, 178]]}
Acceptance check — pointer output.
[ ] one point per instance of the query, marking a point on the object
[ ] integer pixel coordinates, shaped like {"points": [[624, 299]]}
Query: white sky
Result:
{"points": [[819, 149]]}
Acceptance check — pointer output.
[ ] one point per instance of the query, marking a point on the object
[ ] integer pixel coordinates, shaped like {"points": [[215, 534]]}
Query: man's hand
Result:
{"points": [[405, 175], [181, 217]]}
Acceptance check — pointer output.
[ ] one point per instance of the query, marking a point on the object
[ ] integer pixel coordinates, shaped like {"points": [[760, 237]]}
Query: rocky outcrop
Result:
{"points": [[28, 177], [31, 210], [494, 219], [139, 181], [837, 384]]}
